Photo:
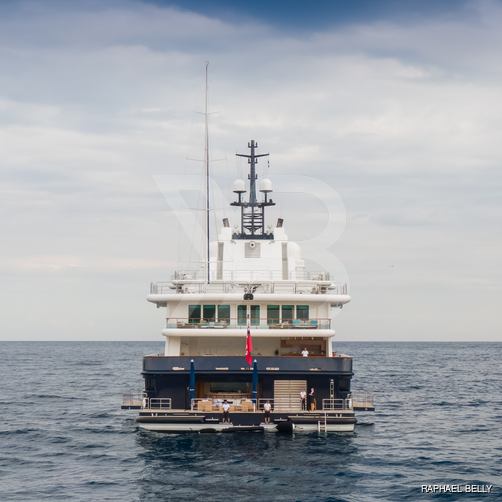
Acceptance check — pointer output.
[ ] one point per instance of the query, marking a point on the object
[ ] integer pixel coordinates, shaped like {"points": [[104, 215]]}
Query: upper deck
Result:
{"points": [[184, 286]]}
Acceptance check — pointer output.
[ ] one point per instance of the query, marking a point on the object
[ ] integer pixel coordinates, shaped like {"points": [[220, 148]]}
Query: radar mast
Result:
{"points": [[252, 210]]}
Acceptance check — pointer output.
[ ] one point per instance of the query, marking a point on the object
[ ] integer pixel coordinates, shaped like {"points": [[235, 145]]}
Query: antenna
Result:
{"points": [[206, 161], [253, 210]]}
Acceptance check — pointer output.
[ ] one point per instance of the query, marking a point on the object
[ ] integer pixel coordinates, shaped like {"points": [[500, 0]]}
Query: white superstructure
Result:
{"points": [[256, 277]]}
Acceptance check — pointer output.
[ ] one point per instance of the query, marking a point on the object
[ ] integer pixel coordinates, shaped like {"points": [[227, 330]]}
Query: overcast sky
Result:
{"points": [[396, 107]]}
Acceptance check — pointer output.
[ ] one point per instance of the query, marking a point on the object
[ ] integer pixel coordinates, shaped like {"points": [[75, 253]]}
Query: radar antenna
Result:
{"points": [[252, 210]]}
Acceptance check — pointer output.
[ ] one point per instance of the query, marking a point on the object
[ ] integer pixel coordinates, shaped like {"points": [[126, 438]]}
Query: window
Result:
{"points": [[229, 387], [242, 315], [209, 312], [302, 312], [287, 313], [255, 315], [224, 313], [273, 312], [194, 314]]}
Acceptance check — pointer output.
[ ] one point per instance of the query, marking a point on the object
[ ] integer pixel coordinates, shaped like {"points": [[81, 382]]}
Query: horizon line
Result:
{"points": [[342, 341]]}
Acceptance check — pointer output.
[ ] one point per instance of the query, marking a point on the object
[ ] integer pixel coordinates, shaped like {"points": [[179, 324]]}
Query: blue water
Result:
{"points": [[64, 437]]}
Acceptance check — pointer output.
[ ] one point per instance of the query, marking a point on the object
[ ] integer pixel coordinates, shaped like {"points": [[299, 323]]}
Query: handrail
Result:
{"points": [[314, 286], [362, 399], [185, 322], [161, 403], [246, 275], [336, 404], [133, 399]]}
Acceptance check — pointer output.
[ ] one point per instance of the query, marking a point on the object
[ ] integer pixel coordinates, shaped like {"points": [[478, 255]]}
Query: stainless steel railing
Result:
{"points": [[232, 323], [362, 399], [133, 399], [277, 287], [157, 403], [247, 275], [336, 404]]}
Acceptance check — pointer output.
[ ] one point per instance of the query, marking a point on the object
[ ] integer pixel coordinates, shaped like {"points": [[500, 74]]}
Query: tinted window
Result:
{"points": [[194, 313], [302, 312], [273, 314], [209, 312], [255, 315], [242, 315], [224, 313], [287, 313]]}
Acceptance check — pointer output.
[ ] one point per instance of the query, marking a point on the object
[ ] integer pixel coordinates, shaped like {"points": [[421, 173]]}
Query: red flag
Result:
{"points": [[249, 348]]}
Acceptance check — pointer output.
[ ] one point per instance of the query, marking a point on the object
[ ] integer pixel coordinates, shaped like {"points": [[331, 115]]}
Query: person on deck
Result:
{"points": [[226, 415], [313, 403], [303, 398], [267, 408], [305, 352]]}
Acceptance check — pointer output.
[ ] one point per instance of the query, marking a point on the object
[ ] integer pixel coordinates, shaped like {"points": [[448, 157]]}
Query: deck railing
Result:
{"points": [[336, 404], [362, 400], [177, 323], [138, 400], [157, 403], [295, 287], [247, 275], [133, 399]]}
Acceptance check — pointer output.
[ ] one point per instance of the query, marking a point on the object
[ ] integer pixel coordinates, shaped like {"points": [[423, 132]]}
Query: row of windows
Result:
{"points": [[221, 313]]}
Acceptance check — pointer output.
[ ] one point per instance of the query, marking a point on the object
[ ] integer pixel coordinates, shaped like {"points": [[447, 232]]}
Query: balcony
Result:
{"points": [[186, 323]]}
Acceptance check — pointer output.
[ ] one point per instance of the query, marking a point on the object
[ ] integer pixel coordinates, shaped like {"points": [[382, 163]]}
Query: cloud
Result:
{"points": [[403, 118]]}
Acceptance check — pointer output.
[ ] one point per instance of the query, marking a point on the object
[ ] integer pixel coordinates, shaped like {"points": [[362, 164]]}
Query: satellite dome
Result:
{"points": [[265, 185], [239, 186]]}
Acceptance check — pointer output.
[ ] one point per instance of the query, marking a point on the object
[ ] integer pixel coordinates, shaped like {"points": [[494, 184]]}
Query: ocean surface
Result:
{"points": [[64, 437]]}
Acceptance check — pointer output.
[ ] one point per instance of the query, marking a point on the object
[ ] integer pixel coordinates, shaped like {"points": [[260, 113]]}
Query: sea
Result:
{"points": [[63, 436]]}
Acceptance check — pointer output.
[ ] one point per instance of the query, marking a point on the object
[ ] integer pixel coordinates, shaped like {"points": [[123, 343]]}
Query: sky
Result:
{"points": [[388, 114]]}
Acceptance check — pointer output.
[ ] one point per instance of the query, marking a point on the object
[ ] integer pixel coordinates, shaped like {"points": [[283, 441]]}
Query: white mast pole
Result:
{"points": [[206, 160]]}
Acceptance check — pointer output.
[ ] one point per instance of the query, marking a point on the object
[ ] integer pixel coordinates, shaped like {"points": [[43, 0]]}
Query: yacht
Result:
{"points": [[249, 336]]}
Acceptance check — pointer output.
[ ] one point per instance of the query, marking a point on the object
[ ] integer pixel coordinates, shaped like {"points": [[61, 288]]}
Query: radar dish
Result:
{"points": [[239, 186], [265, 185]]}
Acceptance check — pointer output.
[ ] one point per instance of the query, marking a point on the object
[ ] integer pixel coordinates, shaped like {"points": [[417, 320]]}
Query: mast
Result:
{"points": [[253, 210], [206, 162]]}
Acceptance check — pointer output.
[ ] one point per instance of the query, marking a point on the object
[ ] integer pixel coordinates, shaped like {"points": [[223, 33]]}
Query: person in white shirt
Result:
{"points": [[267, 407], [305, 352], [303, 397], [226, 415]]}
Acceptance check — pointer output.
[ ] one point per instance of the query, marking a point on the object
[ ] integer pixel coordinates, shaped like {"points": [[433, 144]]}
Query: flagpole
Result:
{"points": [[249, 344]]}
